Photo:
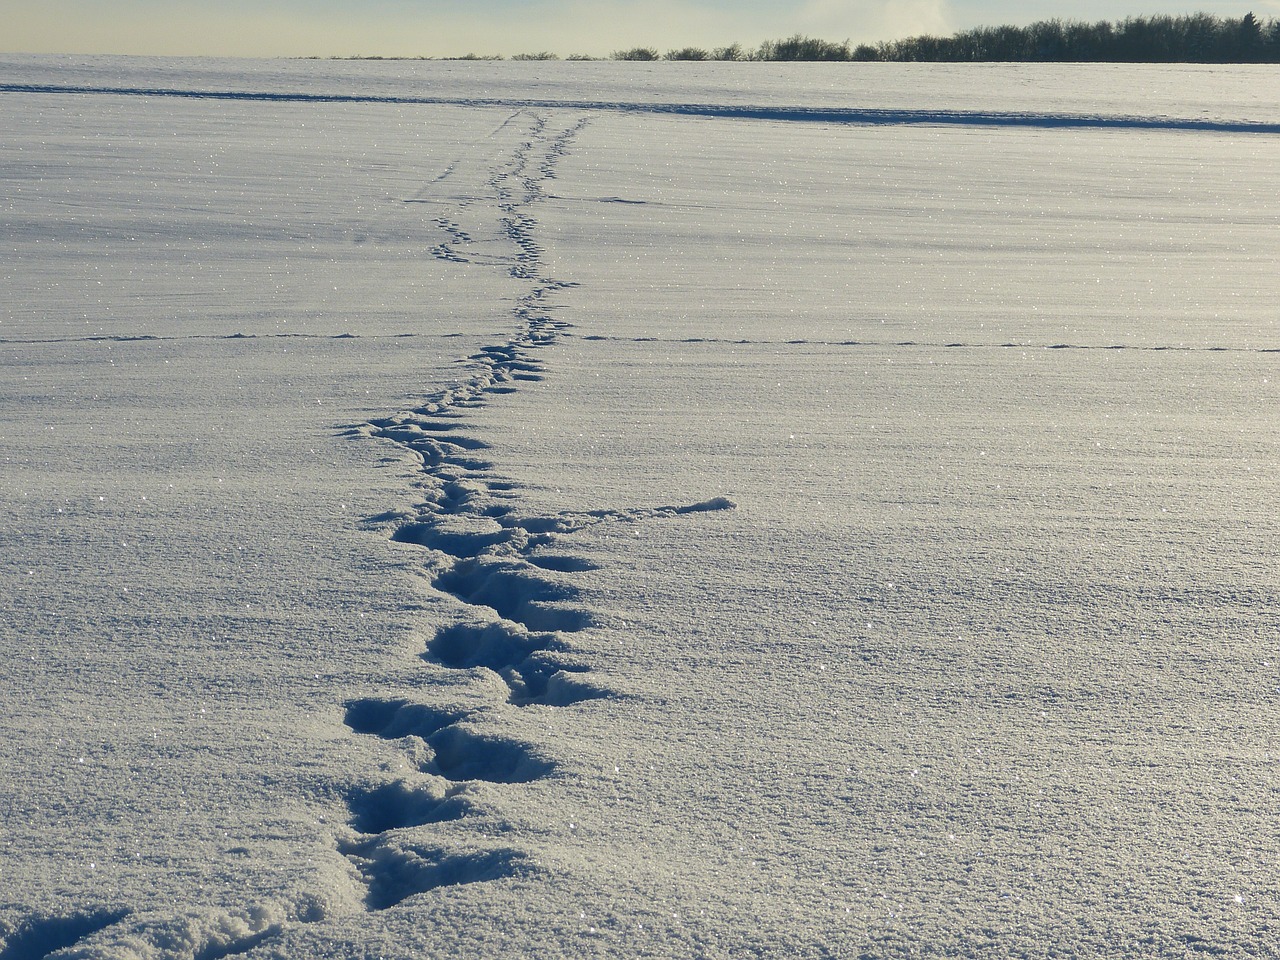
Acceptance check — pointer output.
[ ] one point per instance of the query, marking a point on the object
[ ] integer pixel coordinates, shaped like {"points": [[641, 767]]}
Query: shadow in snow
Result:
{"points": [[37, 937], [855, 116]]}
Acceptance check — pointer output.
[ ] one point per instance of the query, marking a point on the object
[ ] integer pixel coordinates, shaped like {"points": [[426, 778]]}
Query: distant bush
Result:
{"points": [[800, 48], [734, 51], [542, 55], [636, 53], [687, 53], [581, 57]]}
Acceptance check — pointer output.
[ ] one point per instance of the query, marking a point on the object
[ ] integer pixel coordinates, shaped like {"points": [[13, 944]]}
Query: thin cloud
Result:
{"points": [[862, 21]]}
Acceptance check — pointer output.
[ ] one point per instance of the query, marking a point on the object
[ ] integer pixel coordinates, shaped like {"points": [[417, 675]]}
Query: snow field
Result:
{"points": [[980, 663]]}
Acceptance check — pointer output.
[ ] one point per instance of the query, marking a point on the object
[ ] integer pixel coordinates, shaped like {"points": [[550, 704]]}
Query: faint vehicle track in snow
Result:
{"points": [[879, 344], [859, 116]]}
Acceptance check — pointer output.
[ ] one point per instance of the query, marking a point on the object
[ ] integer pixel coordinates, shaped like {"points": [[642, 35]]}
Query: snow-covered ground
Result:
{"points": [[684, 510]]}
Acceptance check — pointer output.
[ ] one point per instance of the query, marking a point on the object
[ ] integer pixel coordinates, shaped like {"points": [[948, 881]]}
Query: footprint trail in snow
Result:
{"points": [[519, 612], [519, 608]]}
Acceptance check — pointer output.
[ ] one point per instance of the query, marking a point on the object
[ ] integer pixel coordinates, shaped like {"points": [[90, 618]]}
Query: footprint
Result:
{"points": [[393, 806], [704, 506], [562, 564], [454, 539], [461, 754], [410, 433], [457, 495], [393, 719], [493, 645], [218, 950], [436, 453], [515, 593], [516, 655], [544, 681], [38, 936], [437, 425], [394, 873]]}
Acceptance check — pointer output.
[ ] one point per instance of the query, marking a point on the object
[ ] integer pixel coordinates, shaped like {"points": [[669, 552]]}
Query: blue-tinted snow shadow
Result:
{"points": [[857, 116]]}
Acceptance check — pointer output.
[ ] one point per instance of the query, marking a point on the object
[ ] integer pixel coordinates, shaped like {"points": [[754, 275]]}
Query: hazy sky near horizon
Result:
{"points": [[454, 27]]}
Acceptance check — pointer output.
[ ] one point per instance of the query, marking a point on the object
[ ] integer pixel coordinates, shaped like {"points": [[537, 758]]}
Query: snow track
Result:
{"points": [[482, 551]]}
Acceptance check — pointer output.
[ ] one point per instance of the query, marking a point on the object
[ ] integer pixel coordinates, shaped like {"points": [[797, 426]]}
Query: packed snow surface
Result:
{"points": [[673, 510]]}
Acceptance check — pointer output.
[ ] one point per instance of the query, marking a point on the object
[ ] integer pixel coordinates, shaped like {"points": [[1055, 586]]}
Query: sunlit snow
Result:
{"points": [[612, 509]]}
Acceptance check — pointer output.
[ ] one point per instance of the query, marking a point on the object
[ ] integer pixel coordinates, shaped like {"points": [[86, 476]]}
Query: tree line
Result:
{"points": [[1192, 38]]}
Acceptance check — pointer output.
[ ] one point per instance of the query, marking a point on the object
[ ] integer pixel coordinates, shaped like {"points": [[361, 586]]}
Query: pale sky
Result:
{"points": [[437, 28]]}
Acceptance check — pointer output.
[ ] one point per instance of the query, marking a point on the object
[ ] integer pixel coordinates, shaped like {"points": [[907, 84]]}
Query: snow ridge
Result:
{"points": [[860, 116]]}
